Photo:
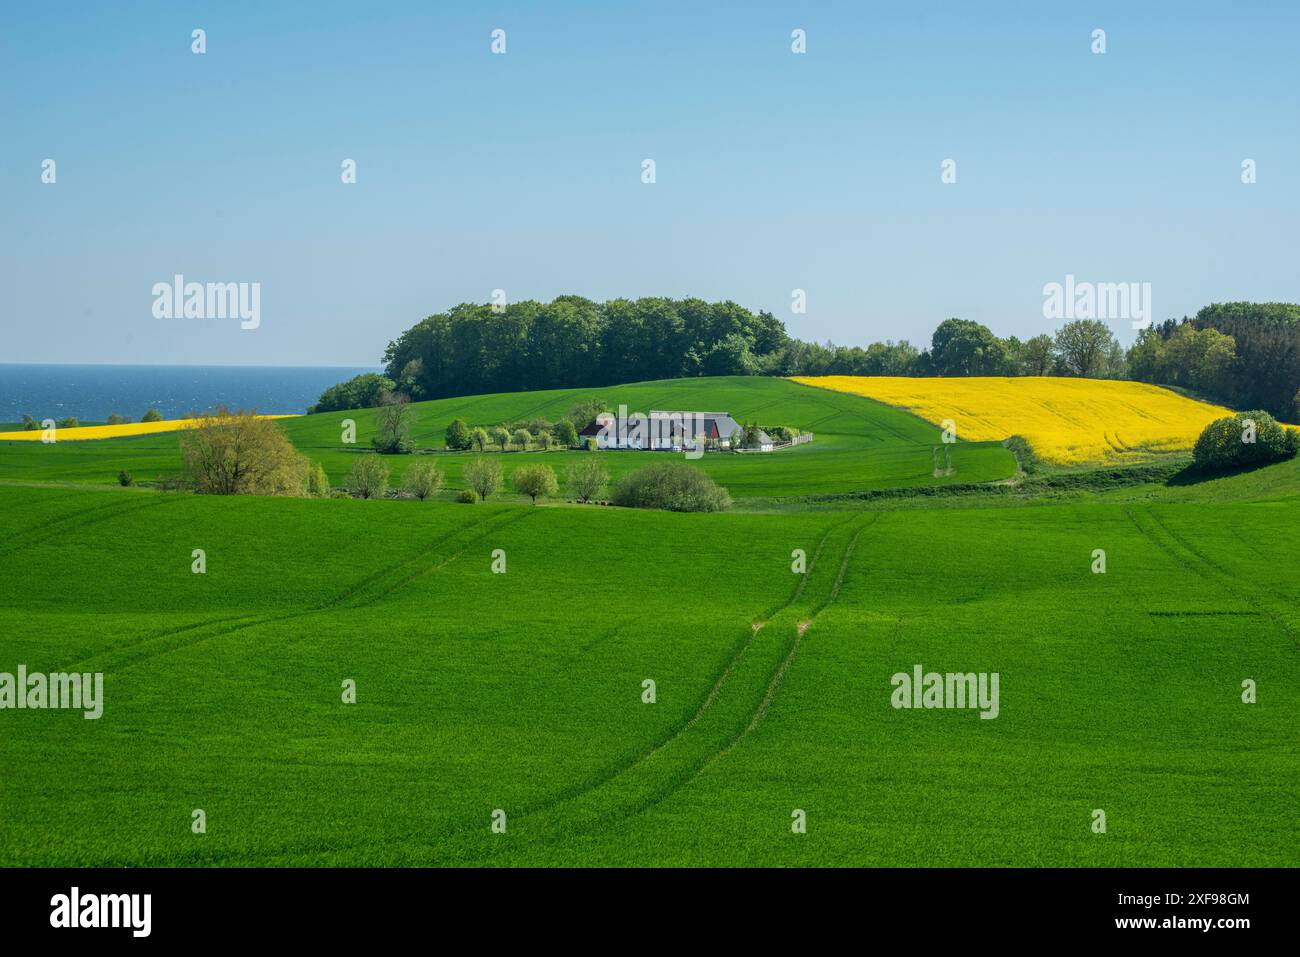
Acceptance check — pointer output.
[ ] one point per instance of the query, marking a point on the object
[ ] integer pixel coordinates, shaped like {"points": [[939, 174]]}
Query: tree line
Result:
{"points": [[1243, 354]]}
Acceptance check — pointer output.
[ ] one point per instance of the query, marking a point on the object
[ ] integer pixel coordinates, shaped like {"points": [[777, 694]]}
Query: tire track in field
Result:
{"points": [[1210, 571], [593, 783], [562, 815], [146, 649], [76, 520]]}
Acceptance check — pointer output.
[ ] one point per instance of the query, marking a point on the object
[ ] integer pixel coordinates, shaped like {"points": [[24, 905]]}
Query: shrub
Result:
{"points": [[124, 478], [318, 483], [484, 476], [368, 477], [674, 486], [113, 419], [1243, 440], [393, 428], [467, 496], [153, 415], [535, 480], [30, 424], [500, 438], [69, 423], [339, 493], [423, 480], [586, 478], [237, 453], [589, 443], [458, 437], [521, 438], [567, 436]]}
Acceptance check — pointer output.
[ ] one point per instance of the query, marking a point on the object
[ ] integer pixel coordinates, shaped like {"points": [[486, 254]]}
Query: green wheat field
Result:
{"points": [[523, 692]]}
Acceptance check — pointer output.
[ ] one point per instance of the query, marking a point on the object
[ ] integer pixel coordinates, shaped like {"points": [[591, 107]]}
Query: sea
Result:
{"points": [[90, 393]]}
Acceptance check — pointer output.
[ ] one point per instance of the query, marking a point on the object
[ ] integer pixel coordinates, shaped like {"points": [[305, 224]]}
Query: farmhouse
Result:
{"points": [[664, 431]]}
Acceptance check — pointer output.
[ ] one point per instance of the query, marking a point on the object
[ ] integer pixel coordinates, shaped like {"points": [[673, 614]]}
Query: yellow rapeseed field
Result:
{"points": [[83, 432], [1065, 421]]}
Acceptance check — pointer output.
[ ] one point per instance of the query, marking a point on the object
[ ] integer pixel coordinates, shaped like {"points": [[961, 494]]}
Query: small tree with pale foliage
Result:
{"points": [[368, 477], [479, 439], [423, 480], [586, 478], [500, 438], [521, 438], [238, 453], [484, 477], [544, 440], [534, 481]]}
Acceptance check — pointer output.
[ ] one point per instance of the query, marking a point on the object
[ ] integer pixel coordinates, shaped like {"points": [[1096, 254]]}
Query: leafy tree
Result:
{"points": [[238, 453], [522, 438], [393, 425], [151, 415], [535, 480], [368, 477], [423, 480], [69, 423], [565, 433], [963, 347], [585, 479], [1084, 346], [458, 437], [113, 419], [484, 476], [544, 439], [585, 412], [500, 438], [359, 392], [1037, 356], [478, 440]]}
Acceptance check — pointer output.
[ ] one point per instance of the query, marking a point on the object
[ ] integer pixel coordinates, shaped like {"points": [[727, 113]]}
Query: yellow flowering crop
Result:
{"points": [[83, 432], [1065, 421]]}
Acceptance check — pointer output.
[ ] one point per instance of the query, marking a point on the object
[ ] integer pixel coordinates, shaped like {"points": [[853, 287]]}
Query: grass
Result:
{"points": [[1066, 422], [523, 691], [859, 444]]}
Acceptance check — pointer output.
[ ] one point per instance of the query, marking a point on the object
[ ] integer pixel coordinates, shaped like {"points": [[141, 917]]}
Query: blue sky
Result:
{"points": [[775, 171]]}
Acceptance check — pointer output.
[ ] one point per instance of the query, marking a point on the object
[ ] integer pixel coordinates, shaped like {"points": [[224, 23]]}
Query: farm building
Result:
{"points": [[664, 431]]}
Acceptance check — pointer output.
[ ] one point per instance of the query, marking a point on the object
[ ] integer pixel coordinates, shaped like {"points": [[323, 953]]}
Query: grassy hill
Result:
{"points": [[859, 444], [523, 691]]}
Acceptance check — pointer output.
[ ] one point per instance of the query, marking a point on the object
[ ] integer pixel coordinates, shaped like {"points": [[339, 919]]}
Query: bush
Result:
{"points": [[567, 436], [423, 480], [153, 415], [369, 477], [318, 483], [674, 486], [458, 435], [467, 496], [124, 478], [586, 478], [1243, 440], [237, 453], [535, 480], [30, 424], [484, 476], [113, 419], [69, 423], [589, 443]]}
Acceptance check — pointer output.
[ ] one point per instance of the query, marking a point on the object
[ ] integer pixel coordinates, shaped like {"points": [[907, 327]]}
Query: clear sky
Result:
{"points": [[522, 171]]}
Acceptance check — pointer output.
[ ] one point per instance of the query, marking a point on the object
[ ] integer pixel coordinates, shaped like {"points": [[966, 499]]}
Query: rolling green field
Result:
{"points": [[859, 444], [523, 691]]}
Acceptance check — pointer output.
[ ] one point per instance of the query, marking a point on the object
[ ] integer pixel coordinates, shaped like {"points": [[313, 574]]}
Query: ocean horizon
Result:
{"points": [[91, 392]]}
